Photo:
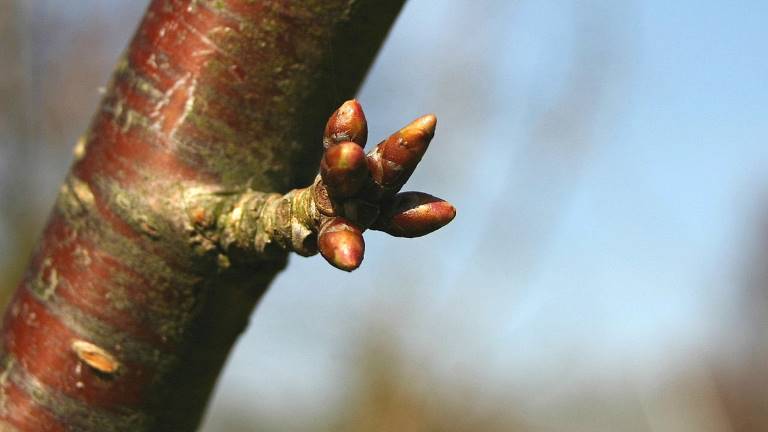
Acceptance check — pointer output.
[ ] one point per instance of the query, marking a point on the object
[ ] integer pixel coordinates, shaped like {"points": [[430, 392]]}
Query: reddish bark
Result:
{"points": [[126, 313]]}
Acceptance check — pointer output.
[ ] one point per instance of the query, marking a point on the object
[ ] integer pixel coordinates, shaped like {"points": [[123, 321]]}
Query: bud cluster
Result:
{"points": [[356, 191]]}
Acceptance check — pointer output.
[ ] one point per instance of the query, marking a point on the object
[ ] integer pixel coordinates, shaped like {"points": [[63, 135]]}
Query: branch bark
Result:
{"points": [[178, 210]]}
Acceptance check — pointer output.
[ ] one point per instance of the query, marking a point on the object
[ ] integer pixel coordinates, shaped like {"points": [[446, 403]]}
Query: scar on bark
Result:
{"points": [[95, 357]]}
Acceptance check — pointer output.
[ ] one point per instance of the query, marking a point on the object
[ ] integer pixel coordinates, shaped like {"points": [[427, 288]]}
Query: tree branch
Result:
{"points": [[178, 210]]}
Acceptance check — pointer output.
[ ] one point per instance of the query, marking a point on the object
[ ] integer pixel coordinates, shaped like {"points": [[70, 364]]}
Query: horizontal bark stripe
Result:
{"points": [[21, 411], [77, 274], [239, 9], [99, 215], [58, 411], [127, 154], [173, 41], [38, 339]]}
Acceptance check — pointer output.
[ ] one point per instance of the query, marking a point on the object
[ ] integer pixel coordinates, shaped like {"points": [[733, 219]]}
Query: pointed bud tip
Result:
{"points": [[346, 250], [446, 211], [342, 245], [347, 261], [416, 214], [351, 104], [399, 154], [348, 155], [426, 123], [425, 218], [347, 123], [344, 169]]}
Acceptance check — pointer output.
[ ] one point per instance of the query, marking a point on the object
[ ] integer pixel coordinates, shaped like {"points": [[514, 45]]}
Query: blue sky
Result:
{"points": [[614, 242]]}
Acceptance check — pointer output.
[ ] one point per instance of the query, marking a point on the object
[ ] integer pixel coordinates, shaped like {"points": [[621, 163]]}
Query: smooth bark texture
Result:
{"points": [[129, 308]]}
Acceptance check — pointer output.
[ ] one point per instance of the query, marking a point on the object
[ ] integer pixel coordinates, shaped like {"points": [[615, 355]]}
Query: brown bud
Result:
{"points": [[341, 244], [392, 162], [361, 212], [414, 214], [346, 124], [344, 169]]}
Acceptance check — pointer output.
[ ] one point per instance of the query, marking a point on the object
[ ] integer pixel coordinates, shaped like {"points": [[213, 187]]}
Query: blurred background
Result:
{"points": [[607, 267]]}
